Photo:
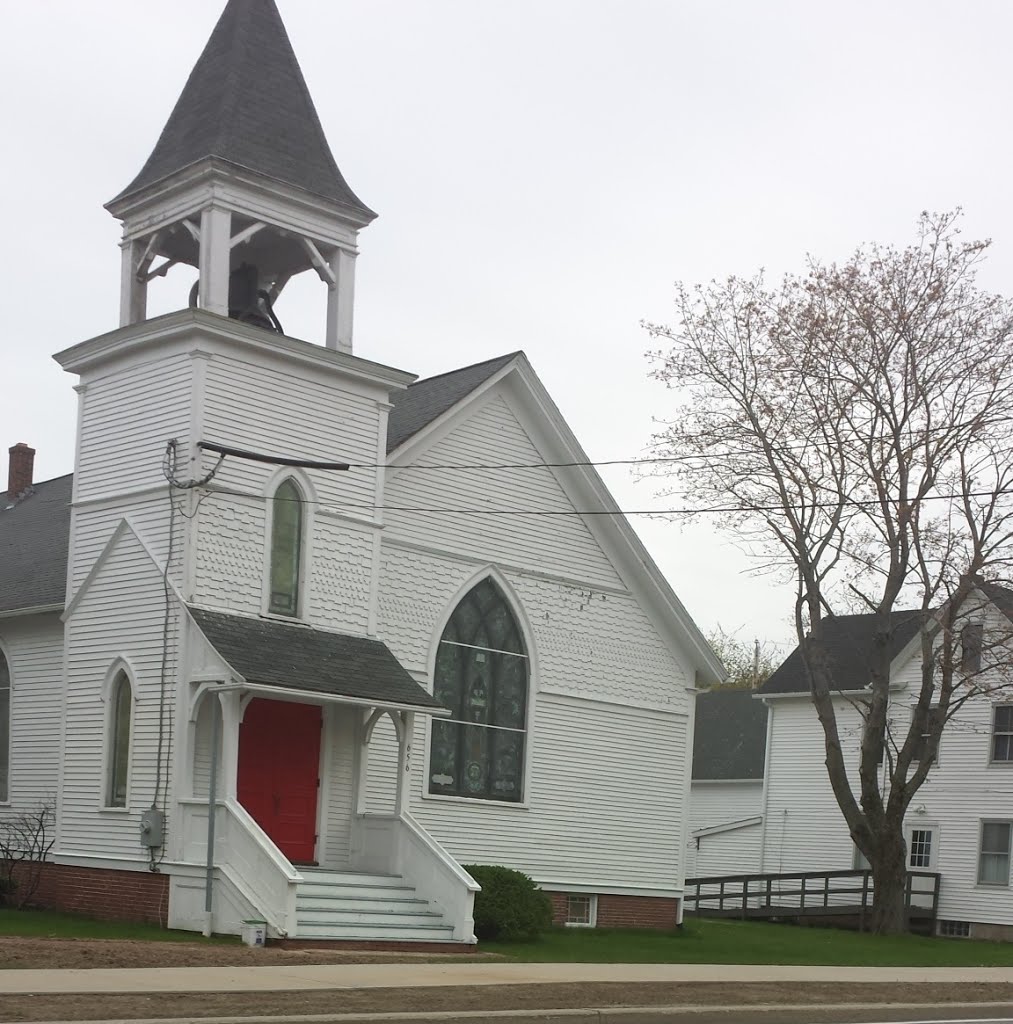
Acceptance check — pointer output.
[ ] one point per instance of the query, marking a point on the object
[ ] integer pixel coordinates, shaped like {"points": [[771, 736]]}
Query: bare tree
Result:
{"points": [[853, 427], [749, 663], [25, 841]]}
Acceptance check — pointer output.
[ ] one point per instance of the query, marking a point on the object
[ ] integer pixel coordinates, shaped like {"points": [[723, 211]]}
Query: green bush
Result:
{"points": [[510, 906]]}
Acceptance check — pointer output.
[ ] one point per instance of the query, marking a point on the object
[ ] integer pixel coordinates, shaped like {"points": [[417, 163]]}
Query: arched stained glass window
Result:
{"points": [[482, 676], [286, 548], [121, 698], [5, 727]]}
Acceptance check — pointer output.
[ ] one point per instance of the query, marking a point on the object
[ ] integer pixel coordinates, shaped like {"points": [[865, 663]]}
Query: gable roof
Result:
{"points": [[426, 400], [34, 537], [730, 735], [297, 657], [246, 102], [849, 639]]}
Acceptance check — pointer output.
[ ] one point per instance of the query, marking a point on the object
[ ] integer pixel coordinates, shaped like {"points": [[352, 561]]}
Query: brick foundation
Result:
{"points": [[659, 913], [109, 895]]}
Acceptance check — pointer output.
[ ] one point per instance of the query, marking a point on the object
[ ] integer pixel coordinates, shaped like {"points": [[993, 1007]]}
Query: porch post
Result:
{"points": [[231, 703], [362, 733], [404, 754]]}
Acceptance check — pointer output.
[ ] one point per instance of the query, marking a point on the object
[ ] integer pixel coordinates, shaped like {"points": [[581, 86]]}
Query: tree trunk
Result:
{"points": [[889, 881]]}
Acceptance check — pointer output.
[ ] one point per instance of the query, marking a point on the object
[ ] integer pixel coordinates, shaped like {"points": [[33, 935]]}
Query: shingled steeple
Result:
{"points": [[243, 186], [246, 102]]}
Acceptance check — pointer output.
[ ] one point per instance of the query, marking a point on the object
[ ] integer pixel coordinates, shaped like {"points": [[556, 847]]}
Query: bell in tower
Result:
{"points": [[242, 185]]}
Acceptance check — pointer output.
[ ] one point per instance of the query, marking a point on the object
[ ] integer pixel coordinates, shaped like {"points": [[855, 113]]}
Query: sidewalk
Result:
{"points": [[364, 976]]}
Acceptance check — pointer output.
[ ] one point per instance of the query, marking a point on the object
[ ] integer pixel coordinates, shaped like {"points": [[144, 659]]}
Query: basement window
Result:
{"points": [[581, 910], [955, 929]]}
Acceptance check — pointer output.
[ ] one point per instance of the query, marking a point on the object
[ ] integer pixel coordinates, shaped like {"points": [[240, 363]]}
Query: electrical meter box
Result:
{"points": [[152, 827]]}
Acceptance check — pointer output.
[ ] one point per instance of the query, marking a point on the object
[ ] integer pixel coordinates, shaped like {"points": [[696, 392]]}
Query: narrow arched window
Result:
{"points": [[286, 548], [482, 676], [5, 728], [121, 700]]}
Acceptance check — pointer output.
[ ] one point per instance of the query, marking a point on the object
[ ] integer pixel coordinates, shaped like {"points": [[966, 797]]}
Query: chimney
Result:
{"points": [[19, 474]]}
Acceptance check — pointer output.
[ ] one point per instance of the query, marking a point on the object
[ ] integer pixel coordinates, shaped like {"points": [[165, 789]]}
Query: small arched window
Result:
{"points": [[5, 728], [286, 548], [121, 701], [482, 676]]}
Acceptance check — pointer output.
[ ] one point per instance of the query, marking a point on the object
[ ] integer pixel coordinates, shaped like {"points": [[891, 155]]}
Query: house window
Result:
{"points": [[119, 741], [926, 722], [955, 929], [993, 856], [286, 548], [581, 910], [971, 637], [5, 727], [482, 676], [920, 848], [1002, 733]]}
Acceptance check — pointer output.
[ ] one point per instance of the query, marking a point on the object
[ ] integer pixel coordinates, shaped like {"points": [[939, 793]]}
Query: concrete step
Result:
{"points": [[343, 891], [379, 932], [388, 918], [381, 904], [349, 877]]}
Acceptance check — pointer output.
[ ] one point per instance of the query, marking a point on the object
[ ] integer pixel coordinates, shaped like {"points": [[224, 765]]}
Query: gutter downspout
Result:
{"points": [[766, 781]]}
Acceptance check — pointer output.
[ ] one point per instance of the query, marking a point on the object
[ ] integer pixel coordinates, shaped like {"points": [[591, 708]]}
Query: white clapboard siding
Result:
{"points": [[126, 420], [604, 800], [554, 544], [735, 850], [804, 829], [33, 646], [120, 615], [599, 646], [381, 781], [264, 409], [338, 778]]}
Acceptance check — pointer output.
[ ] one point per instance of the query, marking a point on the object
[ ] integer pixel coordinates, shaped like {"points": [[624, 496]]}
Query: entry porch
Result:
{"points": [[310, 830]]}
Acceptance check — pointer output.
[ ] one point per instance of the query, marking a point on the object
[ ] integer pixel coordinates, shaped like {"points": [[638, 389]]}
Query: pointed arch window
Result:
{"points": [[5, 728], [482, 676], [286, 548], [120, 716]]}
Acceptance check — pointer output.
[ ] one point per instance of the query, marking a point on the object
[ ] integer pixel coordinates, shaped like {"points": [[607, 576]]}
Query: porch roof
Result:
{"points": [[298, 657]]}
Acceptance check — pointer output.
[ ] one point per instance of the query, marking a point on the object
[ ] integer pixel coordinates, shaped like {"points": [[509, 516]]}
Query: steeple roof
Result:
{"points": [[246, 102]]}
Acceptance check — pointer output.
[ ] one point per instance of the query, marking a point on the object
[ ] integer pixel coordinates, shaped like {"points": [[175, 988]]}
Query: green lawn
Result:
{"points": [[754, 942], [49, 924]]}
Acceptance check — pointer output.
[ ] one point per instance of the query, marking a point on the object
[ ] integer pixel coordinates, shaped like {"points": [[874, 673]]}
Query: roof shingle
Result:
{"points": [[34, 536], [246, 102], [730, 735], [297, 657]]}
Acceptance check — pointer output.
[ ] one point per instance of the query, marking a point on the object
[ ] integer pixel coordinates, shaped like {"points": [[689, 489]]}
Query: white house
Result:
{"points": [[726, 793], [960, 822], [274, 587]]}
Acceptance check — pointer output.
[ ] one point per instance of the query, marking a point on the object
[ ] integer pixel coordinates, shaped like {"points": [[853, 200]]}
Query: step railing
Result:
{"points": [[395, 844]]}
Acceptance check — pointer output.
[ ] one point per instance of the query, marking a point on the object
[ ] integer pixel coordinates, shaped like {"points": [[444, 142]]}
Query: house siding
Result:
{"points": [[724, 803], [33, 646]]}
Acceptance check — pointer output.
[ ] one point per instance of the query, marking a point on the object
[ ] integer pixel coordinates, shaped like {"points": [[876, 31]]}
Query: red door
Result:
{"points": [[279, 766]]}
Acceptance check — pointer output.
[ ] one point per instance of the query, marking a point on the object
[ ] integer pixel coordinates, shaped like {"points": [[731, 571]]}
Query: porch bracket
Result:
{"points": [[320, 264]]}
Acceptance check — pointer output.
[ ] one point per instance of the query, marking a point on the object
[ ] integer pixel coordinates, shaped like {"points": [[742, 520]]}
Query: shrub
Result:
{"points": [[510, 906]]}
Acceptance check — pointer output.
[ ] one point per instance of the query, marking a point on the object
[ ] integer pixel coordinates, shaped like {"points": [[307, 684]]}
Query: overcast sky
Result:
{"points": [[544, 170]]}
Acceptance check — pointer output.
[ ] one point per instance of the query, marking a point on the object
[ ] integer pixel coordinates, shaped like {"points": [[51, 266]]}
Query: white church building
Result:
{"points": [[262, 665]]}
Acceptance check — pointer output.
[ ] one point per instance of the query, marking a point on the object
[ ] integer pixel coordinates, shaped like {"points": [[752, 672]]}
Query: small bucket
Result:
{"points": [[253, 933]]}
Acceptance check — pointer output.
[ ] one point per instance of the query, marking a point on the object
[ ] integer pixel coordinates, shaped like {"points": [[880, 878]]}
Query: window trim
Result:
{"points": [[303, 591], [120, 668], [5, 654], [992, 760], [932, 828], [530, 651], [982, 822], [592, 915]]}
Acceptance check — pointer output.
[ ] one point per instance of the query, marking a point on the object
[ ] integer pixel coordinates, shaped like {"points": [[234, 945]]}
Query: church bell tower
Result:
{"points": [[242, 185]]}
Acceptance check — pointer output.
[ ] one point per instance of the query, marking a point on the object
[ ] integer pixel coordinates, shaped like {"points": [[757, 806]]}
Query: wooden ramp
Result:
{"points": [[843, 898]]}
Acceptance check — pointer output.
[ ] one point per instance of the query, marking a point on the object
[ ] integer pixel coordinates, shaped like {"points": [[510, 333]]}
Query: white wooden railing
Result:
{"points": [[394, 844], [246, 857]]}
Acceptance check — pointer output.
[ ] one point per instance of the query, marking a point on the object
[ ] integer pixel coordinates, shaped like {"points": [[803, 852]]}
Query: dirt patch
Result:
{"points": [[22, 953], [485, 997]]}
